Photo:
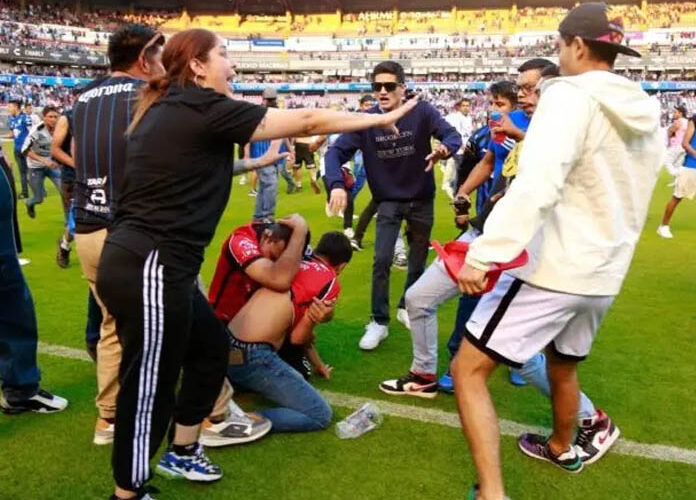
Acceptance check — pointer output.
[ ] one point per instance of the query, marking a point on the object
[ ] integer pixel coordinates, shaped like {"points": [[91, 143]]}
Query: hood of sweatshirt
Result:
{"points": [[623, 101]]}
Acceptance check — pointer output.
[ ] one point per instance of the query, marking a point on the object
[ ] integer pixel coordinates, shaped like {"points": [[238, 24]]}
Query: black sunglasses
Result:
{"points": [[389, 86]]}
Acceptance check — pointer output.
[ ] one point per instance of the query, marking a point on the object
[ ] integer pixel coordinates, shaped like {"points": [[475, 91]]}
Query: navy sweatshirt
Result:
{"points": [[395, 164]]}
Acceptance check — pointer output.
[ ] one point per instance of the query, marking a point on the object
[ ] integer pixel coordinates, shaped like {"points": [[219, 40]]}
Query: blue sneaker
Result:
{"points": [[516, 379], [445, 383], [194, 467]]}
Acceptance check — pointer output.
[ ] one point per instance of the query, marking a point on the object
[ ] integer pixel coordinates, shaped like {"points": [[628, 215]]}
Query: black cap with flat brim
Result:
{"points": [[590, 22]]}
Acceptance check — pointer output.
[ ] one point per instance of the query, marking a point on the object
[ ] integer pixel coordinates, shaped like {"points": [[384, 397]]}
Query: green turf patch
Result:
{"points": [[641, 372]]}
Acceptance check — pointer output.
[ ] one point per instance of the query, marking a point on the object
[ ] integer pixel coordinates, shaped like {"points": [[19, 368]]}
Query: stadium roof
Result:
{"points": [[279, 7]]}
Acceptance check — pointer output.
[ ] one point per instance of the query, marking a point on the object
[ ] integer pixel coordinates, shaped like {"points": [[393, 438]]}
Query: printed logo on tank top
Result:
{"points": [[116, 88]]}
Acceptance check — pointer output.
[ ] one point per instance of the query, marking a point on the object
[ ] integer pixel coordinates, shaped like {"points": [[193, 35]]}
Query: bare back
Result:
{"points": [[266, 317]]}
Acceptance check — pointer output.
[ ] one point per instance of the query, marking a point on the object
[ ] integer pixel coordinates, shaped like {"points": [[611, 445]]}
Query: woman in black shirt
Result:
{"points": [[176, 184]]}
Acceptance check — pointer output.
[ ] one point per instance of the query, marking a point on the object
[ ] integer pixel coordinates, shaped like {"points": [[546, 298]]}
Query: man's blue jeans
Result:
{"points": [[36, 180], [267, 193], [302, 408]]}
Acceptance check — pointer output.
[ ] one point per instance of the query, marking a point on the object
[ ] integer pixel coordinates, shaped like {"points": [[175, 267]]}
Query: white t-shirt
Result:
{"points": [[463, 124]]}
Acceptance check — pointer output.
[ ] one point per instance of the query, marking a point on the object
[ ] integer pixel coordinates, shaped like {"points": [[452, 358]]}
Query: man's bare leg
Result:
{"points": [[565, 398], [470, 371], [669, 210]]}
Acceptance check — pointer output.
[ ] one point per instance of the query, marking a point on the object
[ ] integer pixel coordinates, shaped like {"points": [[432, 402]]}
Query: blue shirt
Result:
{"points": [[395, 163], [501, 150], [258, 148], [690, 161], [19, 125]]}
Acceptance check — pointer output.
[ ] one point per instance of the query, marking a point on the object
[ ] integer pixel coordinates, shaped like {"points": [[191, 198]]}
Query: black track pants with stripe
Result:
{"points": [[166, 328]]}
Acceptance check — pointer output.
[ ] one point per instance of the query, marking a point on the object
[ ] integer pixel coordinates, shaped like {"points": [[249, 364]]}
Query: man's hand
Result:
{"points": [[508, 128], [48, 163], [439, 153], [472, 281], [321, 311], [338, 200], [388, 120], [325, 371], [272, 156], [462, 222], [296, 222]]}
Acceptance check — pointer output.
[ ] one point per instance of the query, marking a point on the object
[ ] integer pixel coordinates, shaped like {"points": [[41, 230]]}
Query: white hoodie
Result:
{"points": [[587, 169]]}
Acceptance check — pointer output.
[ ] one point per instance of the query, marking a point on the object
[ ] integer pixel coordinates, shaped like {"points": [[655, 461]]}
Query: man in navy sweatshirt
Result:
{"points": [[400, 176]]}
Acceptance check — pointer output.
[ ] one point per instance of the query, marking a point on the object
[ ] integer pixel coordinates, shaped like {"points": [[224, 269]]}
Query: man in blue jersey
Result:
{"points": [[399, 173], [267, 191], [19, 124], [101, 115]]}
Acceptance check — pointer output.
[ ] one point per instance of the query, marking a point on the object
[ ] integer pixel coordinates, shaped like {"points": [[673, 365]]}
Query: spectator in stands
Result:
{"points": [[399, 173]]}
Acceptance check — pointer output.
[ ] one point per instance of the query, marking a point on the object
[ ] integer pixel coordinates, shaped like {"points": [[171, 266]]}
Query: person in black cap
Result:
{"points": [[578, 206]]}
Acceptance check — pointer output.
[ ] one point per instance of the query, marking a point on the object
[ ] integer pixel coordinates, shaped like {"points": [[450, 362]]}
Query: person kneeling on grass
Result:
{"points": [[256, 336]]}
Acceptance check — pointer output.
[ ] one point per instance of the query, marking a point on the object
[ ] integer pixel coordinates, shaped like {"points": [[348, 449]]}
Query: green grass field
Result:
{"points": [[641, 372]]}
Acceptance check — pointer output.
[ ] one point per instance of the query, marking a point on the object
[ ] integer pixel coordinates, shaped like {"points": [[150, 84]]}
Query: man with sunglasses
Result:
{"points": [[399, 173], [101, 115]]}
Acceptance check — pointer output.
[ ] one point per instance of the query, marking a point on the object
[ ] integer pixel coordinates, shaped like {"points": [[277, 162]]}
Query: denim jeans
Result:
{"points": [[21, 162], [302, 409], [281, 168], [266, 193], [360, 179], [36, 180], [418, 215]]}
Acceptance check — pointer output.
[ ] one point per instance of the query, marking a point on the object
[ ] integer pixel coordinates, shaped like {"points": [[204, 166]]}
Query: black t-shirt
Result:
{"points": [[179, 172], [100, 117]]}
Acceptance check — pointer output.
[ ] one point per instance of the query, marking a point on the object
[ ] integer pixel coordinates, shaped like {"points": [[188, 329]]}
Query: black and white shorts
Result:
{"points": [[303, 155], [516, 320]]}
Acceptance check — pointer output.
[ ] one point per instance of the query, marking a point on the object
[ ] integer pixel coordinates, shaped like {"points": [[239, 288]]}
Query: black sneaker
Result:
{"points": [[537, 446], [595, 436], [410, 385], [41, 402], [62, 256], [31, 211]]}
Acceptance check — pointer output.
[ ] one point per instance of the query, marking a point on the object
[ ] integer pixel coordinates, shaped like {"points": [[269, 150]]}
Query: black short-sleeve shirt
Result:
{"points": [[178, 172]]}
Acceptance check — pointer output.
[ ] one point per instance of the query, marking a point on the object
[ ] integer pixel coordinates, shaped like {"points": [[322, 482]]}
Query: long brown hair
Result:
{"points": [[179, 51]]}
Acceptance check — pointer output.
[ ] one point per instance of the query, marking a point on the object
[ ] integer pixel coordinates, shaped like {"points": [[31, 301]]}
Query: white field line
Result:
{"points": [[434, 416]]}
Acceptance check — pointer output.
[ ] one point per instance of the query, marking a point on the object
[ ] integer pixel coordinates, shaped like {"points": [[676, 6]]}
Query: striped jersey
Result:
{"points": [[101, 115]]}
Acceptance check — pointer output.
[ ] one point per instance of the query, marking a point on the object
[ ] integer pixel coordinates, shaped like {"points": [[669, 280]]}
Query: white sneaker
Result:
{"points": [[350, 234], [24, 262], [665, 232], [402, 317], [374, 334], [103, 432]]}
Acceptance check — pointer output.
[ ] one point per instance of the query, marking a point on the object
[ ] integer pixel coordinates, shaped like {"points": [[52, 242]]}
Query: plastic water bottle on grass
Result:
{"points": [[362, 420]]}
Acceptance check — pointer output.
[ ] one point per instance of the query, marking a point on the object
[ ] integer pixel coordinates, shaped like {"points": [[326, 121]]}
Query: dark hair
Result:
{"points": [[179, 51], [504, 89], [463, 100], [537, 63], [367, 98], [335, 247], [551, 71], [599, 51], [126, 44], [391, 67], [274, 231], [682, 109], [49, 109], [16, 102]]}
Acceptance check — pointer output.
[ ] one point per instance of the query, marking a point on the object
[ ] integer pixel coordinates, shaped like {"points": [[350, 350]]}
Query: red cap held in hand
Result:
{"points": [[453, 255]]}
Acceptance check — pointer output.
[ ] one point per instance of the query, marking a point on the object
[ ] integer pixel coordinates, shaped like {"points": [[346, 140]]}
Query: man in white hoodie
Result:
{"points": [[578, 206]]}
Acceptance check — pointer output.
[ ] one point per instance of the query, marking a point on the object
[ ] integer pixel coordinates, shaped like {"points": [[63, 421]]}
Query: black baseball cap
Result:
{"points": [[589, 21]]}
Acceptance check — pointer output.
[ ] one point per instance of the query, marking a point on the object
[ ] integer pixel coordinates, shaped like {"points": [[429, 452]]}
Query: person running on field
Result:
{"points": [[578, 205]]}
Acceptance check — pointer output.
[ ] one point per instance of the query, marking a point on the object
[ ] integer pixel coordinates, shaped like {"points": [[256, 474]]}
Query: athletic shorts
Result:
{"points": [[516, 320], [685, 186], [303, 154]]}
